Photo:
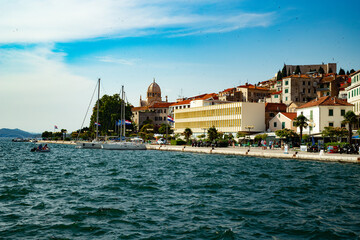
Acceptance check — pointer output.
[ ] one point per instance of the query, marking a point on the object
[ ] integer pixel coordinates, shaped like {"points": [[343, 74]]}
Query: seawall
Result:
{"points": [[258, 152]]}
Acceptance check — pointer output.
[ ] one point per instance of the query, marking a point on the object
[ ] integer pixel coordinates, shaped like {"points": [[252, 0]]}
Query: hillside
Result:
{"points": [[16, 133]]}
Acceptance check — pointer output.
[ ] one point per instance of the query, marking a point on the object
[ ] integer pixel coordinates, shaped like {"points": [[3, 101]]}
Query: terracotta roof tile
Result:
{"points": [[228, 90], [352, 74], [326, 101], [250, 86], [289, 115]]}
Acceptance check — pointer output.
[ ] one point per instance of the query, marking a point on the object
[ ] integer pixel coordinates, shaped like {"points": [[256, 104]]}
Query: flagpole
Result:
{"points": [[167, 126]]}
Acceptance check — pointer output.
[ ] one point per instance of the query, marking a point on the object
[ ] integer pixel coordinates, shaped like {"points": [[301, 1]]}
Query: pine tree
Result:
{"points": [[283, 72], [330, 70], [321, 70], [297, 70], [352, 71], [341, 71], [279, 75]]}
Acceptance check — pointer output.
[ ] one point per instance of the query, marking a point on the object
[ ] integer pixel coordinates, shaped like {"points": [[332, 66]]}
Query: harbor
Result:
{"points": [[250, 152]]}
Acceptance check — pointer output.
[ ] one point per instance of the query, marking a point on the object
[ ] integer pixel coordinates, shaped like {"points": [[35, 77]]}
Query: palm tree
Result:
{"points": [[350, 118], [301, 122], [212, 133], [187, 134]]}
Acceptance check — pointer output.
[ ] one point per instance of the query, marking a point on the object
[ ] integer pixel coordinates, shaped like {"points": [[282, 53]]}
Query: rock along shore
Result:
{"points": [[258, 152]]}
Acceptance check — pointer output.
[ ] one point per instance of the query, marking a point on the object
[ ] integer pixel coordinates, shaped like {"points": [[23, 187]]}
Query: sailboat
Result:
{"points": [[134, 144], [95, 144]]}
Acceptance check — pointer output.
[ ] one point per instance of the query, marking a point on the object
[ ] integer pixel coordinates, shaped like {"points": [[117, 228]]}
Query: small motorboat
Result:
{"points": [[40, 148]]}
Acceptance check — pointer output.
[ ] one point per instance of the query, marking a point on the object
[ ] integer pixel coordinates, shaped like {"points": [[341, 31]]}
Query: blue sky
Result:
{"points": [[52, 52]]}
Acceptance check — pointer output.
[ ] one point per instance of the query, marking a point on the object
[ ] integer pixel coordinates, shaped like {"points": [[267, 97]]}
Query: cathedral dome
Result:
{"points": [[154, 88]]}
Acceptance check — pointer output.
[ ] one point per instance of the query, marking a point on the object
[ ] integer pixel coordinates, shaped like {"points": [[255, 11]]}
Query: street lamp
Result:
{"points": [[249, 127]]}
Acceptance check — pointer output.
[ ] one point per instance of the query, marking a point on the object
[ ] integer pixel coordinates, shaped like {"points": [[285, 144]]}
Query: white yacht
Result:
{"points": [[134, 144], [95, 144]]}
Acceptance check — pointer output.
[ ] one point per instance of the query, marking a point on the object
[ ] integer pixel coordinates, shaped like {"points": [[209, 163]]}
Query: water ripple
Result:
{"points": [[92, 194]]}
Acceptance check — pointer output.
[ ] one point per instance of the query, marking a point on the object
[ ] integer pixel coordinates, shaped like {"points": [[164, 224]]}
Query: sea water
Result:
{"points": [[73, 193]]}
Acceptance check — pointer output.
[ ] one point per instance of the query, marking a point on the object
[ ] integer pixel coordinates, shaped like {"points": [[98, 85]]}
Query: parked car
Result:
{"points": [[161, 141]]}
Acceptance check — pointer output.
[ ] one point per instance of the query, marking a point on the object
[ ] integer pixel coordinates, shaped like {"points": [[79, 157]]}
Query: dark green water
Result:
{"points": [[96, 194]]}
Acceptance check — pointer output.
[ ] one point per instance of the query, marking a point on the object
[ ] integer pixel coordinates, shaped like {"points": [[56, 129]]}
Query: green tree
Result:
{"points": [[46, 134], [162, 128], [352, 71], [334, 133], [187, 134], [146, 132], [279, 75], [109, 113], [283, 72], [302, 122], [297, 69], [341, 71], [241, 135], [285, 133], [330, 70], [321, 70], [212, 133], [350, 119]]}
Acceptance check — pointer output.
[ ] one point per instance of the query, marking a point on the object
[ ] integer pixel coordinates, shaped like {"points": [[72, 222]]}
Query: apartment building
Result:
{"points": [[227, 118]]}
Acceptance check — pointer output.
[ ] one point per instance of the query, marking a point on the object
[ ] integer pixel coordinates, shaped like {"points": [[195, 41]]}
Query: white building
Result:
{"points": [[324, 112], [282, 120], [353, 92], [226, 118]]}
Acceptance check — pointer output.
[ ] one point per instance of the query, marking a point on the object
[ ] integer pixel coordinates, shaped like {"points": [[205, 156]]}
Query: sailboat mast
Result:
{"points": [[122, 113], [97, 114]]}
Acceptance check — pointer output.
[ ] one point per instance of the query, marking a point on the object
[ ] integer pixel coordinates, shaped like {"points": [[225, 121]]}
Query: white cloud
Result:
{"points": [[38, 91], [24, 21], [109, 59]]}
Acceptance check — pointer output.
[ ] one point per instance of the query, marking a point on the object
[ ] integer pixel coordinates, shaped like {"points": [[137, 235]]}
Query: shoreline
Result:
{"points": [[258, 152], [244, 151]]}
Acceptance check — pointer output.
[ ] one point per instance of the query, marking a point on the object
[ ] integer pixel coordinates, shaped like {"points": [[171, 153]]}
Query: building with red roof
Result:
{"points": [[324, 112], [152, 109]]}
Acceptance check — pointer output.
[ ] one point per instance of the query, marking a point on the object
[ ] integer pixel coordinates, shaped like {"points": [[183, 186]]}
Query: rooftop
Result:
{"points": [[326, 101]]}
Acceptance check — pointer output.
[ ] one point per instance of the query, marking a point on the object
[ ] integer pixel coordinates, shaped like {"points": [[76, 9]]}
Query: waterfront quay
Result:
{"points": [[264, 153], [251, 152]]}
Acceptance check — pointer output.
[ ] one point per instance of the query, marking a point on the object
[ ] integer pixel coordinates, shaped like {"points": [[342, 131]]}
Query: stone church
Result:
{"points": [[153, 108]]}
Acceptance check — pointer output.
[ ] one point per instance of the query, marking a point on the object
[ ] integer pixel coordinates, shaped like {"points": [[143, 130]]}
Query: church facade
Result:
{"points": [[153, 108]]}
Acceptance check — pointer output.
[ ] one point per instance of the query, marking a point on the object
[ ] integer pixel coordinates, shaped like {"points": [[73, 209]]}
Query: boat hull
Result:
{"points": [[123, 146], [89, 145]]}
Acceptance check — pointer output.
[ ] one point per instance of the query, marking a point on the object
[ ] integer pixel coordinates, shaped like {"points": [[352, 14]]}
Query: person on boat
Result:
{"points": [[40, 147], [45, 147]]}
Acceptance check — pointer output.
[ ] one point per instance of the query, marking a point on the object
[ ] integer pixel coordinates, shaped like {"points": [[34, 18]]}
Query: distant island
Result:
{"points": [[16, 133]]}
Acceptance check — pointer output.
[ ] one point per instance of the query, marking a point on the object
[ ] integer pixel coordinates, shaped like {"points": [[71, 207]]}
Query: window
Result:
{"points": [[286, 90], [331, 124], [164, 110], [342, 112], [276, 96], [286, 98], [275, 124], [272, 115], [309, 83], [303, 82], [282, 125], [311, 114], [286, 83], [309, 90], [303, 90], [331, 112]]}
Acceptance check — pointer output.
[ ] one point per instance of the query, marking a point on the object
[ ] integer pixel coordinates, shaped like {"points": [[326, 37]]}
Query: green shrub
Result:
{"points": [[223, 143], [178, 142], [339, 144]]}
